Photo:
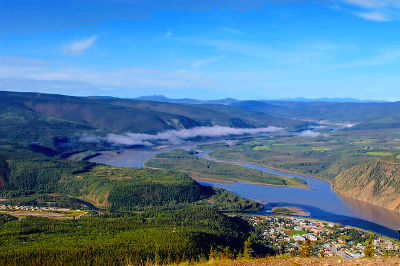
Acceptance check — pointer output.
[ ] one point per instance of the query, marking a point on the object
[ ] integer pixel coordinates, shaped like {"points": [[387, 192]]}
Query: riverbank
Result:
{"points": [[298, 175], [239, 162], [320, 201]]}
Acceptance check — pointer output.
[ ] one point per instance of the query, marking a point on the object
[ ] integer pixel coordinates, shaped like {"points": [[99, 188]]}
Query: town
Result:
{"points": [[22, 211], [30, 208], [285, 234]]}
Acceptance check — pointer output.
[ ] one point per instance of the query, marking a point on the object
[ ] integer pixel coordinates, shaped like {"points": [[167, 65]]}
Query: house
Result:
{"points": [[298, 238]]}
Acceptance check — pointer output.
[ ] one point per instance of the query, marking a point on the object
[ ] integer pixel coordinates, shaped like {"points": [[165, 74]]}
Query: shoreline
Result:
{"points": [[239, 162], [270, 167], [222, 181]]}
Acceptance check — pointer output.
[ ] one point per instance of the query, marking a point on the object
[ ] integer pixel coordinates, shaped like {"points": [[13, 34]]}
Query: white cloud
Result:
{"points": [[309, 134], [176, 136], [374, 15], [201, 62], [168, 34], [374, 10], [372, 3], [379, 57], [15, 68], [77, 47]]}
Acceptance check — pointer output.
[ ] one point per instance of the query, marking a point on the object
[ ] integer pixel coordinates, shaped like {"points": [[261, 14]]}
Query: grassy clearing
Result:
{"points": [[262, 148], [297, 232], [362, 142], [379, 153], [321, 148]]}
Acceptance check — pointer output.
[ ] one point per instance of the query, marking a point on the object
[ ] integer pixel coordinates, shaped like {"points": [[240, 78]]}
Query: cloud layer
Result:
{"points": [[174, 136], [375, 10], [77, 47], [309, 134]]}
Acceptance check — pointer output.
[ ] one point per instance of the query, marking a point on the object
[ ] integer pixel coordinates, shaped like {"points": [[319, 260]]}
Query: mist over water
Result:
{"points": [[175, 137]]}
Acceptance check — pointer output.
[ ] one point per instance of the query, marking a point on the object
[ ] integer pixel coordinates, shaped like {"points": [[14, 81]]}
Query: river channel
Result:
{"points": [[320, 200]]}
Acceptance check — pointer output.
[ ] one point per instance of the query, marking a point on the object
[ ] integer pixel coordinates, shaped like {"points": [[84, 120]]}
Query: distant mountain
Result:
{"points": [[325, 99], [227, 101], [338, 112], [258, 106], [162, 98]]}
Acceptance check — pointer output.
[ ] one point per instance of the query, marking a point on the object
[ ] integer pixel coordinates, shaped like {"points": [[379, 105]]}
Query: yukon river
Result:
{"points": [[320, 201]]}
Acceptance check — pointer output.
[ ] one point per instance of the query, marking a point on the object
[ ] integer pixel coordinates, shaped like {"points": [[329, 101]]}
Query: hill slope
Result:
{"points": [[332, 111], [382, 122], [377, 182], [35, 117]]}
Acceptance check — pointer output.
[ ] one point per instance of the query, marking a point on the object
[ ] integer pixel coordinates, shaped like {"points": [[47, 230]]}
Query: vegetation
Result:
{"points": [[305, 249], [369, 247], [374, 115], [54, 121], [228, 201], [379, 153], [178, 219], [282, 210], [360, 164], [188, 162], [162, 215], [166, 237]]}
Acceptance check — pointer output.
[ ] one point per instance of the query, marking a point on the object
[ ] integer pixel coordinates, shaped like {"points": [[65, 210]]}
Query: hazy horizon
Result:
{"points": [[160, 96]]}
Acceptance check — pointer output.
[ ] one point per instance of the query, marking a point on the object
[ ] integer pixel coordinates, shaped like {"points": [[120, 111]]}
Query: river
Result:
{"points": [[320, 201]]}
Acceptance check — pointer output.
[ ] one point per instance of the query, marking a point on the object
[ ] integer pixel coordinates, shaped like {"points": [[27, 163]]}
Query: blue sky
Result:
{"points": [[254, 49]]}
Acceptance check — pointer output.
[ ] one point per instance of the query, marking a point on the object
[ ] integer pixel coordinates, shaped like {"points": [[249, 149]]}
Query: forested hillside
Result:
{"points": [[153, 237], [156, 216], [339, 112], [46, 116], [25, 173]]}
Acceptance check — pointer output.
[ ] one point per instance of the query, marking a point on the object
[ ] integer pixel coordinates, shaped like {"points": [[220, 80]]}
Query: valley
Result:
{"points": [[199, 132], [178, 173]]}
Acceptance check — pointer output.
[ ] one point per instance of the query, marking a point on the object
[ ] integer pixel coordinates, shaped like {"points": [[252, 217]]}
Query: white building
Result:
{"points": [[298, 238]]}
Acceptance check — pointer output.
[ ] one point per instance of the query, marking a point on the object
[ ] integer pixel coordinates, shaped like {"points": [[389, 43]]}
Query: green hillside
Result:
{"points": [[331, 111], [382, 122], [148, 215], [52, 120], [153, 237]]}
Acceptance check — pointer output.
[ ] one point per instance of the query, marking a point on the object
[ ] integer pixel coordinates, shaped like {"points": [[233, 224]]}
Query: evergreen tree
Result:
{"points": [[369, 247], [305, 250], [247, 250]]}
